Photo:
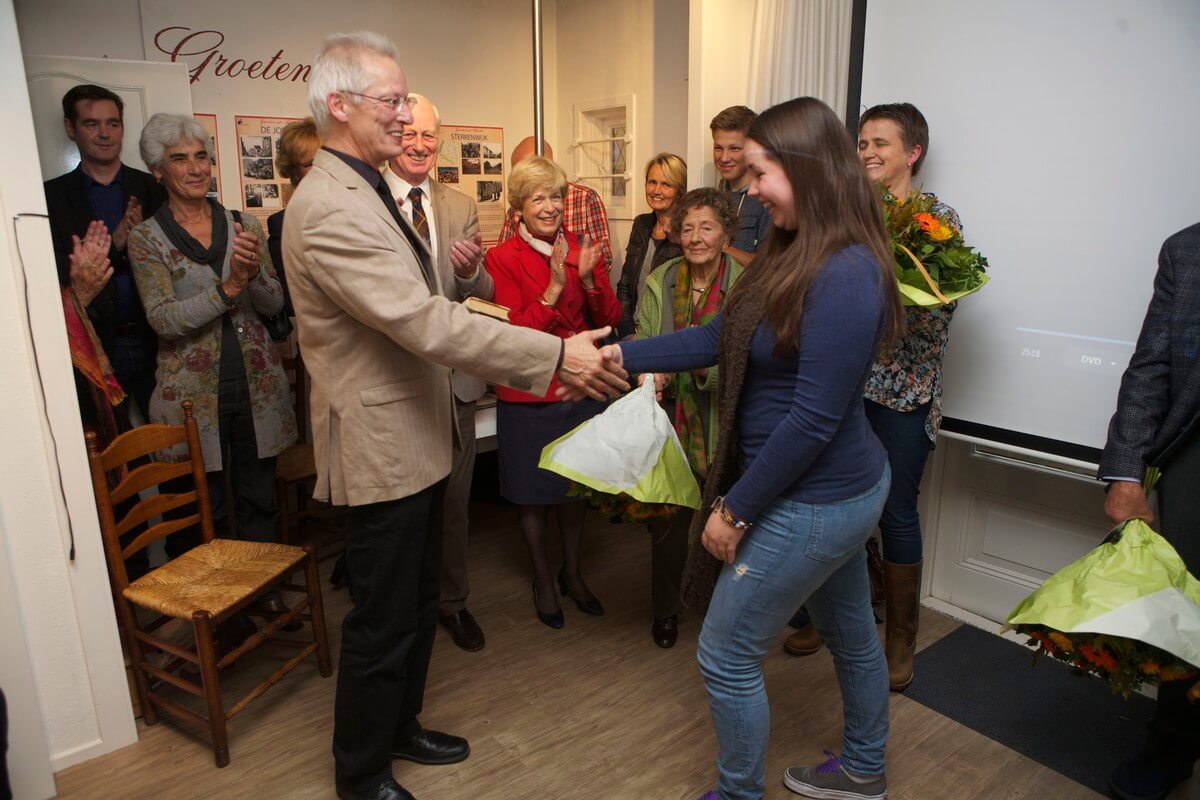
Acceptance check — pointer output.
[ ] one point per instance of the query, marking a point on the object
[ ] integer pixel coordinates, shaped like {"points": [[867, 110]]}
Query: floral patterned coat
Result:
{"points": [[183, 307], [910, 374]]}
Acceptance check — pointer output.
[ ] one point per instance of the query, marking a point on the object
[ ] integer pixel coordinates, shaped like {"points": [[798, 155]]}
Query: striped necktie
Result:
{"points": [[419, 220]]}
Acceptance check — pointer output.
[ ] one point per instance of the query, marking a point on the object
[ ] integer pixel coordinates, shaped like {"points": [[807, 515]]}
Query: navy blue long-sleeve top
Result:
{"points": [[802, 430]]}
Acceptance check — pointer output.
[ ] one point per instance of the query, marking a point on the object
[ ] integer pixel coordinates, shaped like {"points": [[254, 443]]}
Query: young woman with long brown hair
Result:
{"points": [[798, 479]]}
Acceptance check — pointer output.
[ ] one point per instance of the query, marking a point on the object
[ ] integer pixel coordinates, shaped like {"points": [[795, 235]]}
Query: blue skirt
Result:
{"points": [[522, 430]]}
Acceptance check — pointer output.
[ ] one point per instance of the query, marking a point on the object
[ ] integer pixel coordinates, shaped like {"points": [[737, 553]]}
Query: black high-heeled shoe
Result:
{"points": [[553, 619], [589, 605]]}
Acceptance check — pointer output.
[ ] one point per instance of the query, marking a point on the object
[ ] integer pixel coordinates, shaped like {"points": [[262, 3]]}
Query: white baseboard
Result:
{"points": [[86, 752]]}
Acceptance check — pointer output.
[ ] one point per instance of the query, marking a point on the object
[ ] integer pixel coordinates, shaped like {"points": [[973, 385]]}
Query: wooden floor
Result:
{"points": [[592, 711]]}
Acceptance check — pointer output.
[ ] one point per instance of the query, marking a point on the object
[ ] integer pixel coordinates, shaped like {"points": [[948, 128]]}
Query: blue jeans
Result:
{"points": [[796, 553], [902, 434]]}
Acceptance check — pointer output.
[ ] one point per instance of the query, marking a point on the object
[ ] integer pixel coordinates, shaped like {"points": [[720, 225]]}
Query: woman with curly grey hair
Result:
{"points": [[205, 278], [681, 293]]}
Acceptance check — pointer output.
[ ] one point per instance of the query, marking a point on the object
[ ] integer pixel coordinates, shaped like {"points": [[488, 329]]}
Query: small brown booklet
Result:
{"points": [[494, 310]]}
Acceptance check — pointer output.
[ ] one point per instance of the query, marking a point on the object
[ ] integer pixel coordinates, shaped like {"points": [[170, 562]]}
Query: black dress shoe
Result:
{"points": [[554, 619], [665, 631], [588, 605], [432, 747], [387, 790], [464, 630]]}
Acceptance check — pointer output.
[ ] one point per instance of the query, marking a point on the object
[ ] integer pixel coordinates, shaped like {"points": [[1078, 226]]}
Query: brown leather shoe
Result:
{"points": [[803, 642], [464, 630], [665, 631], [900, 631]]}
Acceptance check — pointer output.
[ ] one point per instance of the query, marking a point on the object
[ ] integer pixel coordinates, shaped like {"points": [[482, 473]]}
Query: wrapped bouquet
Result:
{"points": [[627, 461], [933, 264], [1128, 612]]}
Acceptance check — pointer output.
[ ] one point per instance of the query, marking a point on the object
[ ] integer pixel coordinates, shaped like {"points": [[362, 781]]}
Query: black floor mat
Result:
{"points": [[1074, 725]]}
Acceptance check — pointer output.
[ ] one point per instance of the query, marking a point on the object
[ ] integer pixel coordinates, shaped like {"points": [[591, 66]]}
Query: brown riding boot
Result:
{"points": [[803, 642], [903, 606]]}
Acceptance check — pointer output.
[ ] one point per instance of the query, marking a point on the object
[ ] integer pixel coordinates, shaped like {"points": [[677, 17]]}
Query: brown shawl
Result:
{"points": [[733, 351]]}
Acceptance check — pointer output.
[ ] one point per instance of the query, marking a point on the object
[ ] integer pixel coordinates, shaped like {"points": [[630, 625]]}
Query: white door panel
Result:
{"points": [[999, 531], [146, 87]]}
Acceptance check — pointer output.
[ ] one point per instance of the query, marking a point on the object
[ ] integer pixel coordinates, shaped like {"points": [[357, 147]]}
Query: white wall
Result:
{"points": [[72, 641], [617, 48], [718, 74]]}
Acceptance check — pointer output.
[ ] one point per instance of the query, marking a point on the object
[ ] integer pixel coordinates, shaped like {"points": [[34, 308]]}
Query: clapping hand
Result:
{"points": [[589, 256], [90, 266], [465, 255], [132, 217], [243, 265], [585, 373]]}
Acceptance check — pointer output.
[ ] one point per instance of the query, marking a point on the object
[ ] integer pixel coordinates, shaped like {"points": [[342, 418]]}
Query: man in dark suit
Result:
{"points": [[449, 223], [102, 188], [379, 339], [1158, 424]]}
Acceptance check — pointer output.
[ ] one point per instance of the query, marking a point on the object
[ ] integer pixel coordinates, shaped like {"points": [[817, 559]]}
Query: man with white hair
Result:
{"points": [[449, 223], [379, 339]]}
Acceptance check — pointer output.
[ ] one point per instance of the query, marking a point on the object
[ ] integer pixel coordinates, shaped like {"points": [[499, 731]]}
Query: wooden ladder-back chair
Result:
{"points": [[295, 466], [205, 586]]}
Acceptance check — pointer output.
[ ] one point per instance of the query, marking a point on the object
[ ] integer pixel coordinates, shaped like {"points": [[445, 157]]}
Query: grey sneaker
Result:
{"points": [[832, 781]]}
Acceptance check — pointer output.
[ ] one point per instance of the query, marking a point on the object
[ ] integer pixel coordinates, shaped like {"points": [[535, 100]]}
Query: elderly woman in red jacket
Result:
{"points": [[552, 281]]}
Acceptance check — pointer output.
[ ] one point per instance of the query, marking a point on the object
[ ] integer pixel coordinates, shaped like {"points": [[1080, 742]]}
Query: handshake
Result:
{"points": [[588, 371]]}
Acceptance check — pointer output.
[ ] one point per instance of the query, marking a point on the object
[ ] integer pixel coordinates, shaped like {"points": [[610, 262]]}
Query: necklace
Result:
{"points": [[184, 220]]}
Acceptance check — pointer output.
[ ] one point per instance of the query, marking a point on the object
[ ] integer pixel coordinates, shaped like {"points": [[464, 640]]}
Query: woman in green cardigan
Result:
{"points": [[681, 293]]}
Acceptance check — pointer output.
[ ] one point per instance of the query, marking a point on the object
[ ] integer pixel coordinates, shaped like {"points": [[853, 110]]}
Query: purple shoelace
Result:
{"points": [[709, 796], [832, 765]]}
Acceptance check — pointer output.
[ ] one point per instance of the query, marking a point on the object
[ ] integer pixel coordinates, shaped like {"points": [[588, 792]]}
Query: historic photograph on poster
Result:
{"points": [[471, 160], [487, 191], [264, 190], [209, 121], [256, 146]]}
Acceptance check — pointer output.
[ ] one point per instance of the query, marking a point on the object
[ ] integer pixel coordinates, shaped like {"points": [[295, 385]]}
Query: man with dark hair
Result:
{"points": [[102, 188], [729, 129], [1157, 423]]}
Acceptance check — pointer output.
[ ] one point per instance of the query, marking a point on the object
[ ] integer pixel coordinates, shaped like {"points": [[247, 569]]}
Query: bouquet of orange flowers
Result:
{"points": [[933, 264], [621, 507], [1127, 612], [1123, 664]]}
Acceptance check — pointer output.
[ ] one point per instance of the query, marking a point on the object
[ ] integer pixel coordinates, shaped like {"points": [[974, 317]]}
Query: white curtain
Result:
{"points": [[800, 48]]}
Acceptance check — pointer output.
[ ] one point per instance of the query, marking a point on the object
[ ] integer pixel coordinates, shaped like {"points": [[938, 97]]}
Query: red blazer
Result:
{"points": [[521, 275]]}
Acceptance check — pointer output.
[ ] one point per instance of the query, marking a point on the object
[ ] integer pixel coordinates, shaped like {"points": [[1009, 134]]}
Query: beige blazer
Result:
{"points": [[379, 340]]}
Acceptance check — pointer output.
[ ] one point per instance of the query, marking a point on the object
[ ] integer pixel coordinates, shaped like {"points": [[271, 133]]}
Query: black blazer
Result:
{"points": [[71, 213], [635, 251], [275, 246], [1158, 406]]}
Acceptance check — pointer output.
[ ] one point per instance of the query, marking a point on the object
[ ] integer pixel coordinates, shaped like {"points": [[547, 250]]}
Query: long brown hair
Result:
{"points": [[836, 208]]}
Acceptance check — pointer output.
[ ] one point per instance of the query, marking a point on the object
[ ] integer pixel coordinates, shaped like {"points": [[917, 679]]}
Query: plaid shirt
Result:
{"points": [[583, 212]]}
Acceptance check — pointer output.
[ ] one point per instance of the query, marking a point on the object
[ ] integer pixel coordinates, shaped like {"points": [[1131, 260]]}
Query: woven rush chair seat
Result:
{"points": [[295, 464], [213, 577]]}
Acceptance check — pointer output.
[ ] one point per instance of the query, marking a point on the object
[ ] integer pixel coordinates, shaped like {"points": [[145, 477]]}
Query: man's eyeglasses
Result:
{"points": [[393, 103]]}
